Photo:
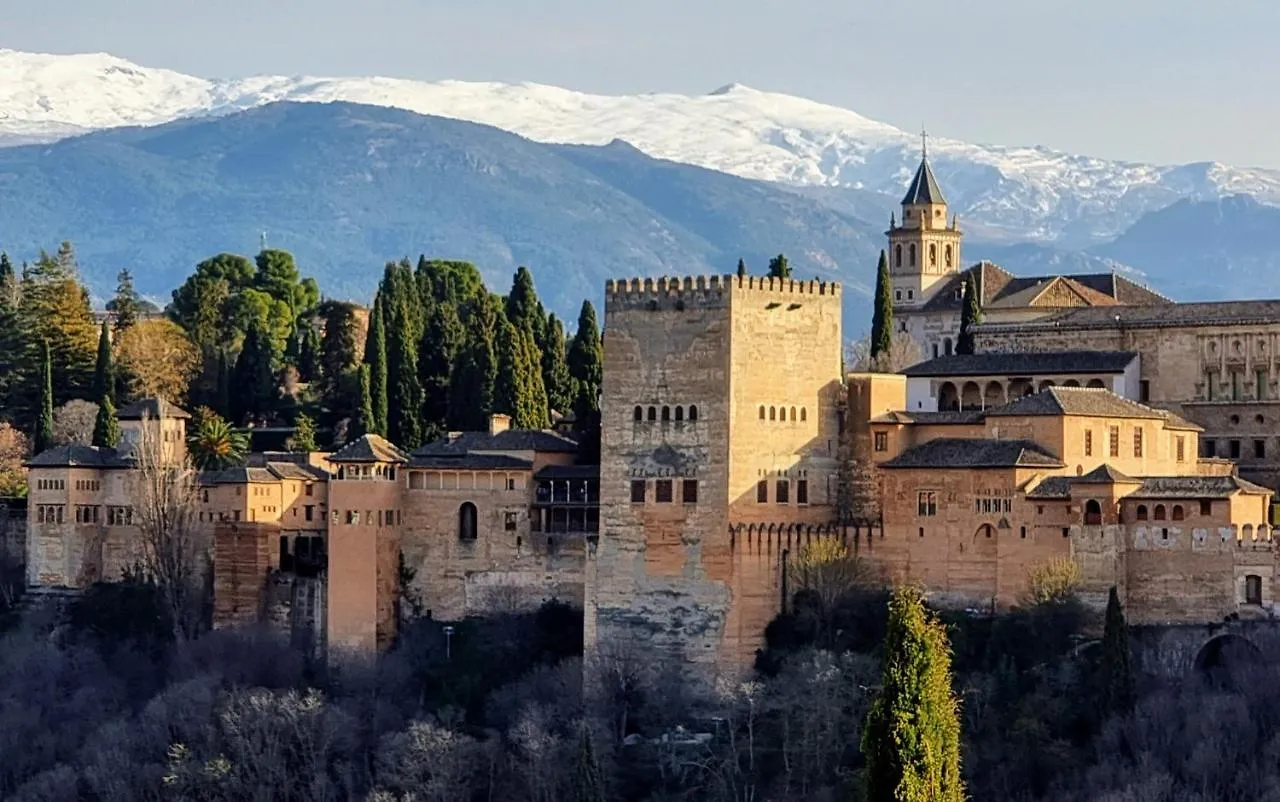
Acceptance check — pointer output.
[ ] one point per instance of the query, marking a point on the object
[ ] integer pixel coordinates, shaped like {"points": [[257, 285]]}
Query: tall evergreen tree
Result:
{"points": [[254, 387], [471, 392], [443, 340], [742, 268], [404, 393], [103, 374], [970, 317], [222, 393], [362, 422], [304, 435], [587, 783], [1119, 689], [375, 356], [127, 304], [586, 364], [518, 390], [55, 310], [523, 308], [555, 368], [911, 740], [11, 335], [309, 352], [882, 316], [779, 267], [106, 429], [44, 420]]}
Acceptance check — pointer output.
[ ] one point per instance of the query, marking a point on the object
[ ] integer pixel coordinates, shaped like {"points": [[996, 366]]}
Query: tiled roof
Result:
{"points": [[1173, 421], [239, 475], [1209, 313], [954, 452], [998, 364], [151, 408], [471, 462], [931, 418], [1156, 487], [1104, 475], [1000, 289], [1091, 402], [80, 456], [293, 470], [924, 187], [569, 472], [1052, 487], [369, 448], [542, 440]]}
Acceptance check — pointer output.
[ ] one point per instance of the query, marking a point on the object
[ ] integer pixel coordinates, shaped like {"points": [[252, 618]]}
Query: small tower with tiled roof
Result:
{"points": [[924, 247]]}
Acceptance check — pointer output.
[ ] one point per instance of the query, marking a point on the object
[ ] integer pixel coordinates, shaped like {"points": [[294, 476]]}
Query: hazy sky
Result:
{"points": [[1150, 80]]}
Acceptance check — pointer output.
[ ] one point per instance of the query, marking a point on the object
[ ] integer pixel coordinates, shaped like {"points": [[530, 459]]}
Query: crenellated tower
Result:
{"points": [[925, 248]]}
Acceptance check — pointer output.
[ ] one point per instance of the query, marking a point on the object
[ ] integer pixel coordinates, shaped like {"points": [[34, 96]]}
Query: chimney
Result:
{"points": [[499, 423]]}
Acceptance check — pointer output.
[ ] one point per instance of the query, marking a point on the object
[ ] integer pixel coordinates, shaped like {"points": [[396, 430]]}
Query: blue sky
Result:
{"points": [[1150, 80]]}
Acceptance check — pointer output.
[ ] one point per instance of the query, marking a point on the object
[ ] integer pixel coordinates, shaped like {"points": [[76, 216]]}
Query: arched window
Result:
{"points": [[948, 254], [793, 414], [467, 521], [693, 412], [639, 414], [933, 255], [666, 413], [1142, 512], [679, 413], [653, 413], [773, 413], [1177, 512], [762, 412], [911, 254], [1092, 512], [803, 414], [1159, 514], [897, 256]]}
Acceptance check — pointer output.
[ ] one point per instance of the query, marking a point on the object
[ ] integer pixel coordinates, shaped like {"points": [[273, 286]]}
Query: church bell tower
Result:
{"points": [[925, 248]]}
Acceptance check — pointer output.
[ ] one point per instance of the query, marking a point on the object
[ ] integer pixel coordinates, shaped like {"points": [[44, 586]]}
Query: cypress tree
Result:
{"points": [[442, 340], [779, 267], [12, 342], [375, 356], [970, 317], [405, 394], [518, 389], [309, 353], [586, 364], [742, 268], [587, 783], [363, 422], [44, 421], [103, 375], [106, 429], [254, 385], [127, 305], [523, 308], [222, 393], [555, 368], [882, 317], [1117, 672], [911, 740], [304, 435], [471, 393]]}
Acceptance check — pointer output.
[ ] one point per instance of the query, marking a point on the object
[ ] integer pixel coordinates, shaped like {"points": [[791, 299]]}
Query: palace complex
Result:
{"points": [[1097, 421]]}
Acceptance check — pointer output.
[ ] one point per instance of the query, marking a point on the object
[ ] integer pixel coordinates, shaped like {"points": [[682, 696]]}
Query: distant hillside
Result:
{"points": [[346, 187]]}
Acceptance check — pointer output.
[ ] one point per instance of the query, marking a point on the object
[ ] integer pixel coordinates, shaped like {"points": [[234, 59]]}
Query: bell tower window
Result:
{"points": [[897, 255], [933, 255], [911, 254], [947, 252]]}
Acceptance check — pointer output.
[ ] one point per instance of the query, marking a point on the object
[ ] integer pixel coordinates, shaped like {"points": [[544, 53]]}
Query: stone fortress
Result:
{"points": [[1097, 421]]}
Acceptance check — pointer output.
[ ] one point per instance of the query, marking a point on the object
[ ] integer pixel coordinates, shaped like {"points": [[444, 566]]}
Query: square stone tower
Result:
{"points": [[719, 444]]}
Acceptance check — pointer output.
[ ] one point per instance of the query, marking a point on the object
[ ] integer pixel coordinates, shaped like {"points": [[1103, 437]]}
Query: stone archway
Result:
{"points": [[971, 396], [1096, 383], [993, 396], [1224, 656], [948, 397], [1046, 384]]}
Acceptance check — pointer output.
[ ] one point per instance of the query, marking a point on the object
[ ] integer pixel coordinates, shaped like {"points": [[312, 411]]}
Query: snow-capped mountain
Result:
{"points": [[1003, 193]]}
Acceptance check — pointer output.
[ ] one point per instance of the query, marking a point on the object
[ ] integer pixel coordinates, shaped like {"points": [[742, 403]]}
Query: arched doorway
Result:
{"points": [[993, 396], [971, 396], [948, 397], [1092, 513], [467, 521]]}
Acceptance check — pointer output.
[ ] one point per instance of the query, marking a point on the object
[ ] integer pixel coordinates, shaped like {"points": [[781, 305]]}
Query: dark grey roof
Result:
{"points": [[1156, 487], [998, 288], [294, 470], [80, 456], [239, 475], [1209, 313], [999, 364], [924, 187], [956, 452], [151, 408], [456, 443], [369, 448], [1052, 487], [471, 462], [1087, 401], [948, 417], [569, 472], [1104, 475]]}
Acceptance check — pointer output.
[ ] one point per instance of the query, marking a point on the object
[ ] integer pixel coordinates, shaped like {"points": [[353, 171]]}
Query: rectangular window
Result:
{"points": [[1144, 391], [1088, 442], [1206, 507], [1208, 448], [783, 490], [882, 441], [1137, 441], [1259, 449], [511, 483], [235, 516], [926, 503], [1210, 382], [509, 521], [1115, 441], [1235, 385], [802, 491], [310, 489], [637, 491], [1180, 444], [308, 511], [762, 491], [689, 491], [1235, 449], [390, 517], [662, 491], [1262, 380], [353, 517]]}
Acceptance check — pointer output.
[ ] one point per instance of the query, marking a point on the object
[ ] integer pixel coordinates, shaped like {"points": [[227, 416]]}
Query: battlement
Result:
{"points": [[676, 292]]}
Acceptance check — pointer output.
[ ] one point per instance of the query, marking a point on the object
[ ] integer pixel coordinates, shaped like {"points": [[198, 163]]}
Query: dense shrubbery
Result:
{"points": [[105, 706]]}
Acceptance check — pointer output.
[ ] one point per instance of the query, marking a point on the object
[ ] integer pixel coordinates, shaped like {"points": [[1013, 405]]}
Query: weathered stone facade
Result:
{"points": [[719, 433]]}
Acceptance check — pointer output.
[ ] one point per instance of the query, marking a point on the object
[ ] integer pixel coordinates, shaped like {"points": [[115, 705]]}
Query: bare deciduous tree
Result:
{"points": [[903, 353], [166, 506], [73, 422]]}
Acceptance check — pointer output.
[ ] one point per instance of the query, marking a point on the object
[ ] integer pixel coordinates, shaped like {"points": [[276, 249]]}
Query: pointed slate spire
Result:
{"points": [[924, 187]]}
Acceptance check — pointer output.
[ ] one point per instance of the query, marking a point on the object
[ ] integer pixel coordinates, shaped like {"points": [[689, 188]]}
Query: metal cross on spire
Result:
{"points": [[924, 142]]}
